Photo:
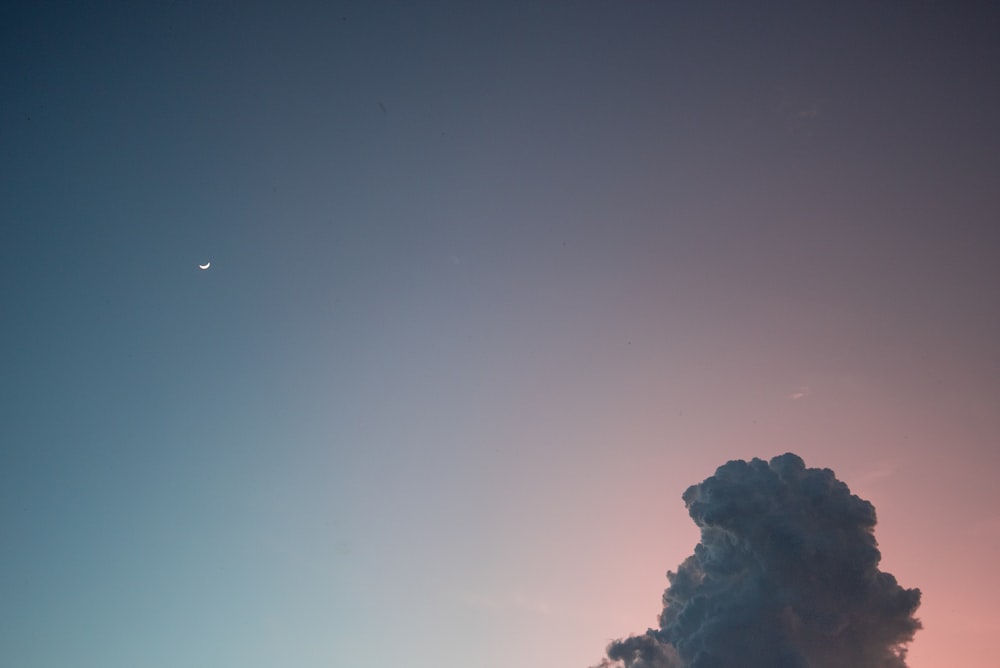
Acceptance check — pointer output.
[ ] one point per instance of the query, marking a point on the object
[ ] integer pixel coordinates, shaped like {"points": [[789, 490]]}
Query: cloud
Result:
{"points": [[785, 576], [877, 471], [516, 600], [800, 393]]}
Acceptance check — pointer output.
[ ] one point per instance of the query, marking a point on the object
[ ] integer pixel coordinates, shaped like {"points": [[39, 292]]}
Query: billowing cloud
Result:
{"points": [[785, 576]]}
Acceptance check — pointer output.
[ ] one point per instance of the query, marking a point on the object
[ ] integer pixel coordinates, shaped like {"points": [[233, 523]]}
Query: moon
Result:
{"points": [[205, 266]]}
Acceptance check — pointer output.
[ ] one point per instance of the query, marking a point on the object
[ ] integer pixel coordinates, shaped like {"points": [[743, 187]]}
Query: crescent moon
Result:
{"points": [[205, 266]]}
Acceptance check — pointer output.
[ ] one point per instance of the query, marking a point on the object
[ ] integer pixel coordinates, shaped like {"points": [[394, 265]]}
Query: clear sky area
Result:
{"points": [[490, 285]]}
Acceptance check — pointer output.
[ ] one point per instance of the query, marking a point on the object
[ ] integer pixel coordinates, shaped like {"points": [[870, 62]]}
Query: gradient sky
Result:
{"points": [[491, 285]]}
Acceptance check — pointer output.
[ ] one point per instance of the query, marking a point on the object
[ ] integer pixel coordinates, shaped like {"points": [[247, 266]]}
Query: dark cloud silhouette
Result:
{"points": [[785, 576]]}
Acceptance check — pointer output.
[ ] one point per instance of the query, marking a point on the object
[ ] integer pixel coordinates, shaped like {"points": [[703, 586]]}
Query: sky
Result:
{"points": [[491, 285]]}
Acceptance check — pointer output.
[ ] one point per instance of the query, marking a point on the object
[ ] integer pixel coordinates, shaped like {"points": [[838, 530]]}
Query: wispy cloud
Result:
{"points": [[519, 600], [877, 471], [800, 393]]}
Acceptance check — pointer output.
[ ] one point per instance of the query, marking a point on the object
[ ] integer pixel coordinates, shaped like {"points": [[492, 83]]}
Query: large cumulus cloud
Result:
{"points": [[785, 576]]}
